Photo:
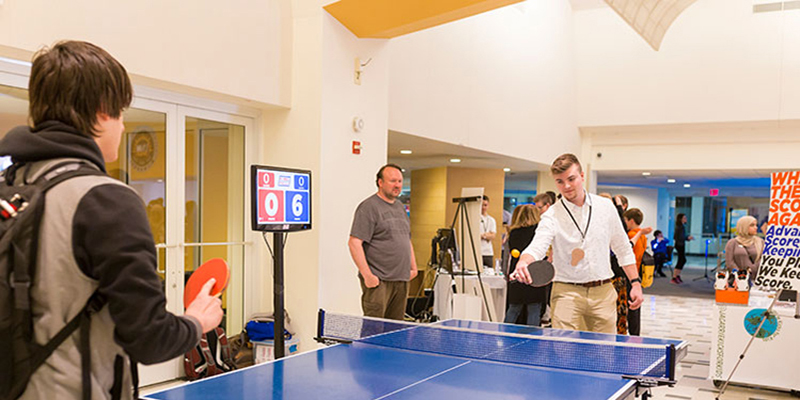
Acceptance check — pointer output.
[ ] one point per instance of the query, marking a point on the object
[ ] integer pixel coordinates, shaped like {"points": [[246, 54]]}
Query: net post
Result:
{"points": [[671, 358], [320, 324]]}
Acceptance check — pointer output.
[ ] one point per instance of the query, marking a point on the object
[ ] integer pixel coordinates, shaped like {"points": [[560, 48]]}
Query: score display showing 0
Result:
{"points": [[281, 199]]}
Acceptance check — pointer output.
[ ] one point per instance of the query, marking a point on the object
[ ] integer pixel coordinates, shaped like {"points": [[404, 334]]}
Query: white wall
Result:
{"points": [[643, 199], [240, 48], [718, 62], [345, 178], [747, 146], [502, 81]]}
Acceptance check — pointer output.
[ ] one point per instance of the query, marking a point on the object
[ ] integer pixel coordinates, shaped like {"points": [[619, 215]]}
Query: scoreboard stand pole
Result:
{"points": [[277, 242]]}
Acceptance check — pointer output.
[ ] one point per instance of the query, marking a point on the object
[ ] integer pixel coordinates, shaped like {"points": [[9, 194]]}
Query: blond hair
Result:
{"points": [[524, 216], [564, 162]]}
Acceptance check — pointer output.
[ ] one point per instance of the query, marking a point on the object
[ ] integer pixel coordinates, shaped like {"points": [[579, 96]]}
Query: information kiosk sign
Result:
{"points": [[780, 263]]}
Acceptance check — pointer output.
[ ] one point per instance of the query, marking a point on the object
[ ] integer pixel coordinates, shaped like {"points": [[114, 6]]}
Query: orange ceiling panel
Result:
{"points": [[391, 18]]}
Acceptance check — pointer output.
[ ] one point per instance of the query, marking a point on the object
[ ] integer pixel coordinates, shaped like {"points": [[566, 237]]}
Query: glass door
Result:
{"points": [[214, 199]]}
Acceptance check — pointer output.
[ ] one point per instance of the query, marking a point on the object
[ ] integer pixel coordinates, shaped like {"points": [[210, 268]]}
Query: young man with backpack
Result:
{"points": [[94, 266]]}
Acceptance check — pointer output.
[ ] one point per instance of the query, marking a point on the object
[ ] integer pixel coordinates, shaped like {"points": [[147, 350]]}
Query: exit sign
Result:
{"points": [[713, 192]]}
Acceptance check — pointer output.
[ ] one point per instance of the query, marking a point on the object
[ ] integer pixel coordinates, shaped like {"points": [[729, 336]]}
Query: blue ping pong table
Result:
{"points": [[452, 359]]}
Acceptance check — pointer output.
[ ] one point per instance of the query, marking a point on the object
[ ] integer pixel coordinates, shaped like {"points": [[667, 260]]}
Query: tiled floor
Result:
{"points": [[689, 319]]}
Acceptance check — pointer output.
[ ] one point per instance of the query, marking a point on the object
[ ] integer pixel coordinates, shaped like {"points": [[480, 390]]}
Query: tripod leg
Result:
{"points": [[477, 266]]}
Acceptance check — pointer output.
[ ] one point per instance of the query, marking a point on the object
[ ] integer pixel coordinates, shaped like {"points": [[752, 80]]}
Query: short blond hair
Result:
{"points": [[564, 162]]}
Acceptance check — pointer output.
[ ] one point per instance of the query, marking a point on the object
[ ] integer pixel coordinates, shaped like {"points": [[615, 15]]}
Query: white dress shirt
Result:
{"points": [[604, 233]]}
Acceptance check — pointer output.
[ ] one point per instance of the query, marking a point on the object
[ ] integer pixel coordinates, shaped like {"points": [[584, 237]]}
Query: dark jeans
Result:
{"points": [[534, 313], [660, 259], [681, 257]]}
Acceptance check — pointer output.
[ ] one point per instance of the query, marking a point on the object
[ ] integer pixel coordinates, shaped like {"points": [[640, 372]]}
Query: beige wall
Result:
{"points": [[743, 146], [241, 48], [346, 179], [718, 62], [291, 138], [502, 81]]}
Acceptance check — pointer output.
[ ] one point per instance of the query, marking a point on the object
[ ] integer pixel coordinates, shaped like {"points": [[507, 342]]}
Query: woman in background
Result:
{"points": [[744, 251], [523, 227], [680, 246]]}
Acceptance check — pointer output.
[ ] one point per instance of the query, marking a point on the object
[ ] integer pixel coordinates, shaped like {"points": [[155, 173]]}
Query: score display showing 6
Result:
{"points": [[297, 205]]}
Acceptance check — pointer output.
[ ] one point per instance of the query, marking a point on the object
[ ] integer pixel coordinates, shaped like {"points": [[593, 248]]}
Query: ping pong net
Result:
{"points": [[529, 347]]}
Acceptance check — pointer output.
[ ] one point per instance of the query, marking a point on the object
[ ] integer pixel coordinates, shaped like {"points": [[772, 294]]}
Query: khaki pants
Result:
{"points": [[387, 300], [574, 307]]}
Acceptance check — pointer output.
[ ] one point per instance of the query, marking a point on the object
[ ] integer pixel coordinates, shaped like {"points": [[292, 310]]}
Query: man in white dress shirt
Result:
{"points": [[581, 227]]}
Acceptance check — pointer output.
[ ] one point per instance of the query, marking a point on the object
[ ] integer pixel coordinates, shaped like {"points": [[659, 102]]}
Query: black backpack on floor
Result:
{"points": [[21, 210]]}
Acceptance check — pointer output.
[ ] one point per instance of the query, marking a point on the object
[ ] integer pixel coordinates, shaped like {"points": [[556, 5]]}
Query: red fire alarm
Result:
{"points": [[356, 147]]}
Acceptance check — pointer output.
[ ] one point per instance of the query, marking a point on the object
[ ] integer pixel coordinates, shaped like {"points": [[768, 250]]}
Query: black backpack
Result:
{"points": [[21, 210]]}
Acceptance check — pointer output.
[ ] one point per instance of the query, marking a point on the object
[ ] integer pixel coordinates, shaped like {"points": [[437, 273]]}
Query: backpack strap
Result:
{"points": [[21, 280], [224, 350], [211, 365], [94, 304]]}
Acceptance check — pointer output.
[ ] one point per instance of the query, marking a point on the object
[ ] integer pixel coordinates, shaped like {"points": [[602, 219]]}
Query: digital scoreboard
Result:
{"points": [[280, 198]]}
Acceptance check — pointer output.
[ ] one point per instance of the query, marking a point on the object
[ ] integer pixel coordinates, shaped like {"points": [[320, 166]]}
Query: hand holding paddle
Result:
{"points": [[203, 289], [206, 308], [538, 273]]}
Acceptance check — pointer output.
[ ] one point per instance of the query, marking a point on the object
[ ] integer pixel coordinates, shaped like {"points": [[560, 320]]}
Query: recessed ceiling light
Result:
{"points": [[645, 174], [455, 160], [507, 169], [686, 185], [402, 170], [405, 152], [670, 180]]}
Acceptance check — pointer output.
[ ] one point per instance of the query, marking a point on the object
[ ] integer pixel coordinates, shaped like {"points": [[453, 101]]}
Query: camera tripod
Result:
{"points": [[461, 211]]}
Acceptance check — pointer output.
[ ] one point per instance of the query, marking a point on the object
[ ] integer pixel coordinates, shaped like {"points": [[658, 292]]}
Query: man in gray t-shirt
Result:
{"points": [[380, 244]]}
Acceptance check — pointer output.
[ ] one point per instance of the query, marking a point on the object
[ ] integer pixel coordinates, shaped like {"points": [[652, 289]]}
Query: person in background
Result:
{"points": [[488, 233], [633, 220], [745, 250], [504, 239], [680, 246], [380, 245], [543, 201], [522, 296], [621, 282], [659, 246]]}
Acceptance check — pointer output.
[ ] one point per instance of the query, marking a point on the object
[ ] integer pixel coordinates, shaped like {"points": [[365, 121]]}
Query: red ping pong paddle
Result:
{"points": [[215, 268], [542, 273]]}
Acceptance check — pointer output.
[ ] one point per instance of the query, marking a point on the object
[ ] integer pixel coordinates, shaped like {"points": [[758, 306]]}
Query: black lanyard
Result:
{"points": [[589, 221]]}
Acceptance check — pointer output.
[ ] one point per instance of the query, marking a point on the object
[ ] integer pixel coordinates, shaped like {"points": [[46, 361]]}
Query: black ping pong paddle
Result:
{"points": [[542, 273]]}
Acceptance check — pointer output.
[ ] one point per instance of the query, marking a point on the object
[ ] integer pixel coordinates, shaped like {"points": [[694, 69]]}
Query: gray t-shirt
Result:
{"points": [[386, 233]]}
